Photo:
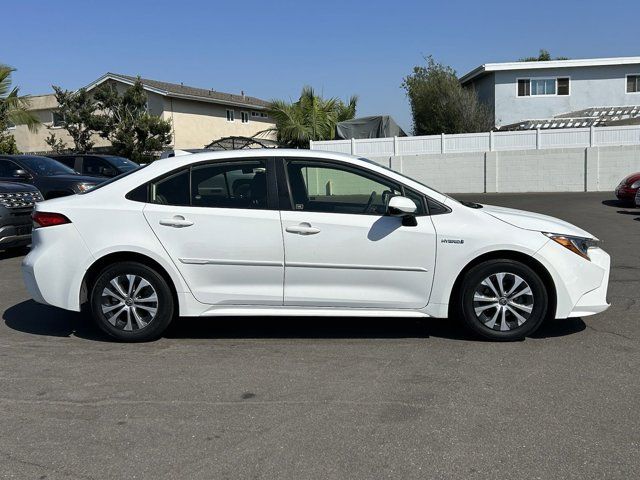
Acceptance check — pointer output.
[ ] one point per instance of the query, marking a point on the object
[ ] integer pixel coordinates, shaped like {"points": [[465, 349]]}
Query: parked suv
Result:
{"points": [[96, 165], [52, 178], [16, 204]]}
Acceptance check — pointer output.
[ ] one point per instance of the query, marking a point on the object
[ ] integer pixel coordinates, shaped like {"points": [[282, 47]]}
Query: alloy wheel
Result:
{"points": [[503, 301], [129, 302]]}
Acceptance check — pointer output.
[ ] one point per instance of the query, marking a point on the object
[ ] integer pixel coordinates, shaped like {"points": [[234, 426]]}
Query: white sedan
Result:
{"points": [[304, 233]]}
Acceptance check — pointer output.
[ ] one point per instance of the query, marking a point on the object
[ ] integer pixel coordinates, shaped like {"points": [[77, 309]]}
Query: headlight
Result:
{"points": [[83, 187], [636, 184], [578, 245]]}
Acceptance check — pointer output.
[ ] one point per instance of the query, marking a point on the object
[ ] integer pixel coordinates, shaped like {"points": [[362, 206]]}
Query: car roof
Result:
{"points": [[166, 165]]}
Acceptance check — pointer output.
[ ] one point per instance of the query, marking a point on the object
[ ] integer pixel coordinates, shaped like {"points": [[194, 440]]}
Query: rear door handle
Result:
{"points": [[178, 221], [303, 228]]}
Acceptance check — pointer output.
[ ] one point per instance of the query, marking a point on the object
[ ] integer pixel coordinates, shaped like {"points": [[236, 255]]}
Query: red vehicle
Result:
{"points": [[628, 187]]}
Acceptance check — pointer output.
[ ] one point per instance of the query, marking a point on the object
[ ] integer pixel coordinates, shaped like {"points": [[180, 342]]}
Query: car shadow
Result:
{"points": [[35, 319], [13, 253], [619, 204]]}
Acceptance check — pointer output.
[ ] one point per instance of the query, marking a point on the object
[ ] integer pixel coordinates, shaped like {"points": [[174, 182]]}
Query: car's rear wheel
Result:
{"points": [[503, 300], [131, 302]]}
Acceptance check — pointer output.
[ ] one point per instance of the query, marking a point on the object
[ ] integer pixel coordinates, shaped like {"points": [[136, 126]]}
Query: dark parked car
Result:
{"points": [[96, 165], [628, 188], [16, 204], [52, 178]]}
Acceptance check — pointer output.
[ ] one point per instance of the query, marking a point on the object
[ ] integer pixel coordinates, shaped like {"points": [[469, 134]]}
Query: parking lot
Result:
{"points": [[330, 398]]}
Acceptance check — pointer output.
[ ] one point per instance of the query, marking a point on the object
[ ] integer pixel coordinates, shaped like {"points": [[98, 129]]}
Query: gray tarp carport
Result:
{"points": [[378, 126]]}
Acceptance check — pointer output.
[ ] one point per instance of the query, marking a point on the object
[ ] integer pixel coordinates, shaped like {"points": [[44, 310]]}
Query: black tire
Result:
{"points": [[127, 326], [473, 289]]}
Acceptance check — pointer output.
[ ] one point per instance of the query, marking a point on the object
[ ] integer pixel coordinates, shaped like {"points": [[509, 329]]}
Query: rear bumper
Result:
{"points": [[54, 269]]}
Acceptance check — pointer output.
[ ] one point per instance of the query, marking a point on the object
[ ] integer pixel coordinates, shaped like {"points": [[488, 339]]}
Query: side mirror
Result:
{"points": [[405, 208], [401, 206], [21, 174]]}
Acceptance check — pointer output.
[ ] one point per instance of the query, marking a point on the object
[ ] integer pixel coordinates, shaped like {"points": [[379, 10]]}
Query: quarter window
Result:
{"points": [[633, 83], [332, 189]]}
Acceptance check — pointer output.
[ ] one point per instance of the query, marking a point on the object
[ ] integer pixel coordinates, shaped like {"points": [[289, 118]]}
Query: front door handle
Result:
{"points": [[178, 221], [303, 228]]}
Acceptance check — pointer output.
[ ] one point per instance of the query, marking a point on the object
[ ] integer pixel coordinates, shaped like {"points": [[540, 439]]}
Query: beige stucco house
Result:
{"points": [[198, 116]]}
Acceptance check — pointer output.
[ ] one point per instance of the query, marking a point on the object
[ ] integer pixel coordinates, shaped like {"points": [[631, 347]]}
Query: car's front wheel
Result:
{"points": [[131, 302], [503, 300]]}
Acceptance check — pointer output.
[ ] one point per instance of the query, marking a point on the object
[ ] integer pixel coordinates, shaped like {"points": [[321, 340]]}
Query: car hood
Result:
{"points": [[77, 179], [11, 187], [534, 221]]}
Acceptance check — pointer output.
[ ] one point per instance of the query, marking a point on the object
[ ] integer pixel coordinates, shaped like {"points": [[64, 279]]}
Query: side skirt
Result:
{"points": [[242, 311]]}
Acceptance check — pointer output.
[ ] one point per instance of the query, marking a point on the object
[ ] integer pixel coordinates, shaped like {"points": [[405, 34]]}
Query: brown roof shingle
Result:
{"points": [[175, 89]]}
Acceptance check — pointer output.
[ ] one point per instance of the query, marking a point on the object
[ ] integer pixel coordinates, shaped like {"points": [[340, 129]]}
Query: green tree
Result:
{"points": [[123, 119], [543, 56], [57, 144], [78, 113], [14, 110], [310, 118], [440, 104]]}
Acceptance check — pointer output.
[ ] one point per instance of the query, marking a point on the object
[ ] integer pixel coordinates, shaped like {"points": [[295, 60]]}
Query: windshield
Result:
{"points": [[404, 176], [44, 166], [121, 163], [113, 179]]}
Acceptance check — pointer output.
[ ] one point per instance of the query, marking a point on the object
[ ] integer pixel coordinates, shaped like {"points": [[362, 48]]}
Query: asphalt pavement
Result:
{"points": [[308, 398]]}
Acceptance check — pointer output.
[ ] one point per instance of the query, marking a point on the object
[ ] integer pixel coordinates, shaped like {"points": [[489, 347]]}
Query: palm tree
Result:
{"points": [[13, 108], [310, 118]]}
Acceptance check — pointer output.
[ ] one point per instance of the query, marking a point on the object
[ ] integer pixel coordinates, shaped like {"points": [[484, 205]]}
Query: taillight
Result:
{"points": [[46, 219]]}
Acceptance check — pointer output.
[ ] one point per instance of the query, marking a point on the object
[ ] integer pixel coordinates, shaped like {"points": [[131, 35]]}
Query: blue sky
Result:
{"points": [[271, 49]]}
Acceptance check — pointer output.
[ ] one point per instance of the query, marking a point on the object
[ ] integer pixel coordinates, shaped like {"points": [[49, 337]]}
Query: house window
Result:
{"points": [[633, 83], [563, 86], [245, 117], [230, 116], [264, 115], [524, 88], [255, 114], [543, 87], [535, 87], [57, 119]]}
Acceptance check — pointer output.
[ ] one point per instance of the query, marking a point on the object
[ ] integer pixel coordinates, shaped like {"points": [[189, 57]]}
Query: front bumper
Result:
{"points": [[15, 228], [581, 285], [14, 236], [626, 193], [595, 301]]}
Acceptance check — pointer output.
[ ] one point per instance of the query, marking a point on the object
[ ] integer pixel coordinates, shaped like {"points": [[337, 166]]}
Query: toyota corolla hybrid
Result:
{"points": [[303, 233]]}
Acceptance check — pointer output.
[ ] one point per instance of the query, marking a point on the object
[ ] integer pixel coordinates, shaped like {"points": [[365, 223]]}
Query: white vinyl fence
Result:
{"points": [[485, 142]]}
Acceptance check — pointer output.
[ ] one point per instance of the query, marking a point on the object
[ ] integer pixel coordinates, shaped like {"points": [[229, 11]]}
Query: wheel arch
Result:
{"points": [[528, 260], [94, 270]]}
